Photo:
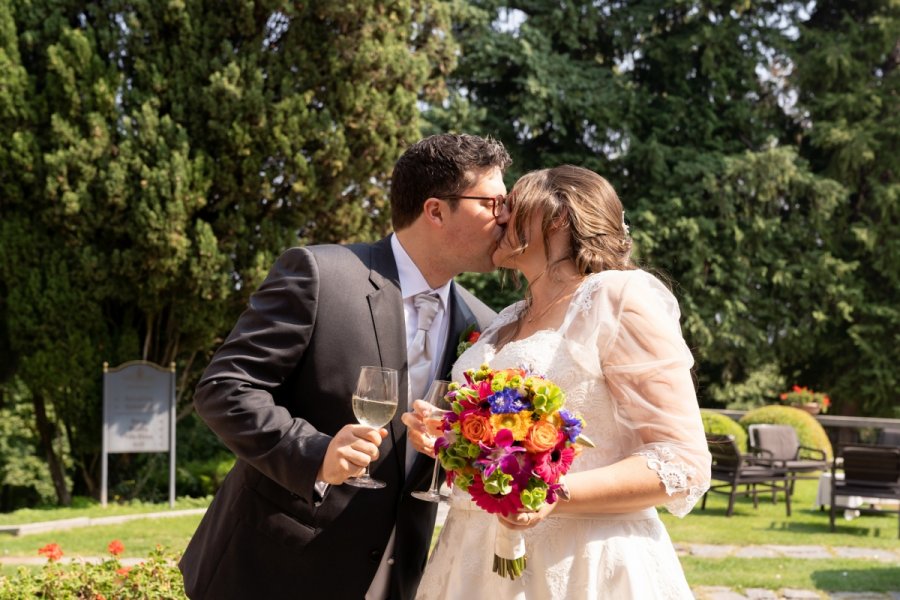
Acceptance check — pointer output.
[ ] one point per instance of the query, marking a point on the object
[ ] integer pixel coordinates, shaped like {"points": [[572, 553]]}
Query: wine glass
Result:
{"points": [[436, 396], [374, 404]]}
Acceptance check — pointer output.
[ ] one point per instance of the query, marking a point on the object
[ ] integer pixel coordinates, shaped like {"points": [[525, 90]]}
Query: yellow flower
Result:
{"points": [[518, 423]]}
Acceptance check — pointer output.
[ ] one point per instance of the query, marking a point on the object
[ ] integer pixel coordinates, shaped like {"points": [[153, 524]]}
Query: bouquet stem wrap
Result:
{"points": [[509, 552]]}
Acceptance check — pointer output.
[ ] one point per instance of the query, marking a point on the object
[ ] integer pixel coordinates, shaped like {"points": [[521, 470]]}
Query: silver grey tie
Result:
{"points": [[421, 355], [421, 351]]}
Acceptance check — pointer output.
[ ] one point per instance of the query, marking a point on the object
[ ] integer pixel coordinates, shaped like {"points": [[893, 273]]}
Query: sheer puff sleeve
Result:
{"points": [[646, 364]]}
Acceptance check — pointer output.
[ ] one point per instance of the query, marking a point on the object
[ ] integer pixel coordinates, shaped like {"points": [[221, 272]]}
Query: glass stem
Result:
{"points": [[433, 488]]}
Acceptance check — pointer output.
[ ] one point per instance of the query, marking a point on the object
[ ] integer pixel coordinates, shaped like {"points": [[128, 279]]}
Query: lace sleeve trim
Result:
{"points": [[584, 298], [676, 477]]}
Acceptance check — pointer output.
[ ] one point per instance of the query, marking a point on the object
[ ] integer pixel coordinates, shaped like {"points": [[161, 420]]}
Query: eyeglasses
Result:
{"points": [[497, 202]]}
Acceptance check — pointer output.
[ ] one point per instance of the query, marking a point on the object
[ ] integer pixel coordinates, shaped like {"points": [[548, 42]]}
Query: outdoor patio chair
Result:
{"points": [[781, 443], [735, 469], [870, 472], [889, 437]]}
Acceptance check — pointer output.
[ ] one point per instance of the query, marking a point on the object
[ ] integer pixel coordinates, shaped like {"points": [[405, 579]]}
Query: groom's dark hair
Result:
{"points": [[439, 166]]}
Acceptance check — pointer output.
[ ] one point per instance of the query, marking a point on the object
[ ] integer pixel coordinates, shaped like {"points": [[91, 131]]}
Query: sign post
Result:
{"points": [[138, 415]]}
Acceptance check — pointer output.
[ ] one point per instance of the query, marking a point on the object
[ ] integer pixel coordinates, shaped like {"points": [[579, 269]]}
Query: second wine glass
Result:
{"points": [[374, 404], [437, 397]]}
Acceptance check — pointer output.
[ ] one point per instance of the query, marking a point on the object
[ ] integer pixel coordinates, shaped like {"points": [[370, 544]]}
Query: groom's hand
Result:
{"points": [[350, 452]]}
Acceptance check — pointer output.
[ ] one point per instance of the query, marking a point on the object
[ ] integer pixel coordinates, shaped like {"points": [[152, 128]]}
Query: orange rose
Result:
{"points": [[477, 428], [542, 437]]}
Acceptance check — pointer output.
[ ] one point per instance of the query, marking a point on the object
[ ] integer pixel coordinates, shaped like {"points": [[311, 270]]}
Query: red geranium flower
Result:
{"points": [[116, 547], [52, 551]]}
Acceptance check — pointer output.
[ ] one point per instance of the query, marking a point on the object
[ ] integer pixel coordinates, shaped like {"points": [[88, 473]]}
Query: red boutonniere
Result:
{"points": [[468, 337]]}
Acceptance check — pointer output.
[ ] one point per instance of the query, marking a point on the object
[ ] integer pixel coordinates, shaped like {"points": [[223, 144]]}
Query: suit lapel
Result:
{"points": [[386, 309]]}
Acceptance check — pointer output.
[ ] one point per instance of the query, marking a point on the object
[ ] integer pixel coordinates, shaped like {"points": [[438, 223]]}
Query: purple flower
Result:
{"points": [[508, 401], [553, 492], [571, 425], [502, 456]]}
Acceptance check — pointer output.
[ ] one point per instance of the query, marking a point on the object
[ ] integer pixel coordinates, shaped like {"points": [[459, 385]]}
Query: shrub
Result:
{"points": [[157, 578], [810, 432], [718, 423], [203, 477]]}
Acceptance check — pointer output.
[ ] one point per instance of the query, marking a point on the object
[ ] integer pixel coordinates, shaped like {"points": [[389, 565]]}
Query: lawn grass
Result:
{"points": [[139, 537], [766, 525], [825, 575], [84, 507]]}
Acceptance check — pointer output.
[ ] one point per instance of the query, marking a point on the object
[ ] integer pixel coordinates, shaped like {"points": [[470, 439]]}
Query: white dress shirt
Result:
{"points": [[411, 283]]}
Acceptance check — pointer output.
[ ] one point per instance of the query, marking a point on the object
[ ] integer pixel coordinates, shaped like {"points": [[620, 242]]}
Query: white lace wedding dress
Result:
{"points": [[620, 358]]}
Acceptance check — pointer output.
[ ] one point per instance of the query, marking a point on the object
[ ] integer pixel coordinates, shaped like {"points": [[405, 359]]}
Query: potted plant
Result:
{"points": [[805, 399]]}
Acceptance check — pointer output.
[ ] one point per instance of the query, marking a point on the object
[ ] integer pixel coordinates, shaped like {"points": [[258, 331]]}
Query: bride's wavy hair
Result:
{"points": [[581, 201]]}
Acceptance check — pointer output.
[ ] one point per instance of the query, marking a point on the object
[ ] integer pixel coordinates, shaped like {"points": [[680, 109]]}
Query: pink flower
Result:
{"points": [[504, 505], [552, 465]]}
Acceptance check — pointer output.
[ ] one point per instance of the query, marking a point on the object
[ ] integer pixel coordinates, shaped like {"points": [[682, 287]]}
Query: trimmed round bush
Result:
{"points": [[810, 432], [720, 424]]}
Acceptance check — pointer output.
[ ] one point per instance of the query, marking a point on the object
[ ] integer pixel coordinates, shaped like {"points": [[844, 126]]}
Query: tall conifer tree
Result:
{"points": [[156, 156]]}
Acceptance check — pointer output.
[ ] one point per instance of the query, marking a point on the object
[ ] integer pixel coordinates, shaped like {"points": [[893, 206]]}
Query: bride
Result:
{"points": [[608, 334]]}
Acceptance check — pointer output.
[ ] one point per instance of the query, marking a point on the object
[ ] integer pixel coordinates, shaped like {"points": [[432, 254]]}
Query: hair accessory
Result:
{"points": [[625, 227]]}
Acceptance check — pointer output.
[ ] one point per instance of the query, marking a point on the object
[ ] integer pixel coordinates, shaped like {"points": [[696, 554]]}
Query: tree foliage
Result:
{"points": [[156, 156], [739, 164], [848, 85]]}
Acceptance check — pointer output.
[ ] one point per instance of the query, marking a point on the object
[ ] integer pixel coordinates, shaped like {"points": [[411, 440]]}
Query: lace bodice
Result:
{"points": [[624, 366]]}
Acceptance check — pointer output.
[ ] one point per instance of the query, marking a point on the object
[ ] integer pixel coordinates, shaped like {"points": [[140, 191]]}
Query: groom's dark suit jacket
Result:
{"points": [[275, 392]]}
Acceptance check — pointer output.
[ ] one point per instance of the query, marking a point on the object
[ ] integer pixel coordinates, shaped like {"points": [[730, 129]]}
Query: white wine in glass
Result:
{"points": [[436, 396], [374, 405]]}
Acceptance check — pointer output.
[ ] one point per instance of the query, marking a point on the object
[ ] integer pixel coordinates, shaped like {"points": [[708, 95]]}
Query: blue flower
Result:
{"points": [[572, 425], [508, 400]]}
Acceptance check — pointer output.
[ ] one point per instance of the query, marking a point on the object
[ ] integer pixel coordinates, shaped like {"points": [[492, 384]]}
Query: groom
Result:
{"points": [[278, 392]]}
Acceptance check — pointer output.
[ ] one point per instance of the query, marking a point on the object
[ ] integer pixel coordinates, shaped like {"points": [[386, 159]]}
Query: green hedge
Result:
{"points": [[717, 423], [810, 432]]}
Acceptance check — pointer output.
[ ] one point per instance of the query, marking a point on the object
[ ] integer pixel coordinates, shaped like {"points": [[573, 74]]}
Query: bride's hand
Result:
{"points": [[418, 432], [526, 519]]}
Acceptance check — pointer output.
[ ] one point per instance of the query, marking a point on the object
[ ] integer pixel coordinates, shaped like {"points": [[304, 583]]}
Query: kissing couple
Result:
{"points": [[278, 393]]}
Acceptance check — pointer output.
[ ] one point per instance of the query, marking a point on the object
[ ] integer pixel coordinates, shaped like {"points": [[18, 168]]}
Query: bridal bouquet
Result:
{"points": [[507, 442]]}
